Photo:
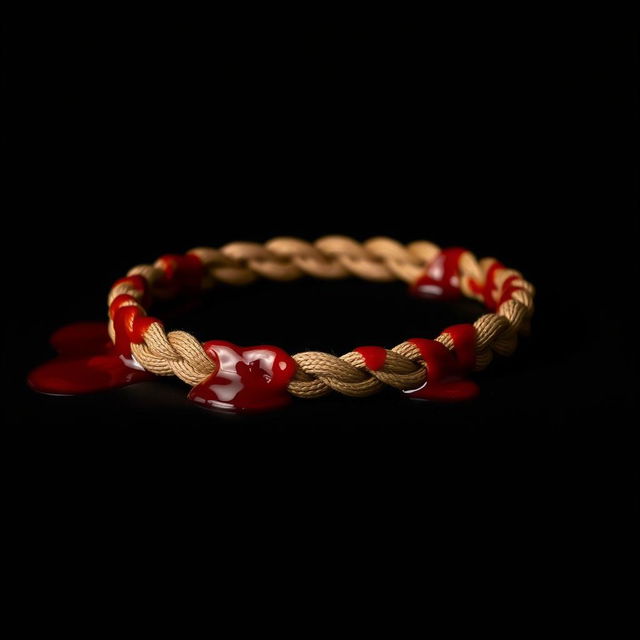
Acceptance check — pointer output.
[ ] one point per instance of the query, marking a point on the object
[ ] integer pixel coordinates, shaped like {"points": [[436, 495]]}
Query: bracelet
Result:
{"points": [[134, 346]]}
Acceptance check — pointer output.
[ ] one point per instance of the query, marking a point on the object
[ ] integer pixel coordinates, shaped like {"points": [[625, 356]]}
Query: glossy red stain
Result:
{"points": [[129, 326], [246, 379], [87, 362], [80, 339], [139, 283], [451, 390], [464, 339], [374, 357], [440, 361], [140, 326], [493, 296], [123, 300], [123, 321], [508, 289], [182, 273], [446, 370], [488, 288], [441, 280]]}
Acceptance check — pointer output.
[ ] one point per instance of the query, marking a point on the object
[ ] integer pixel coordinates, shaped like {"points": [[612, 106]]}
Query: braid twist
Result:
{"points": [[332, 257]]}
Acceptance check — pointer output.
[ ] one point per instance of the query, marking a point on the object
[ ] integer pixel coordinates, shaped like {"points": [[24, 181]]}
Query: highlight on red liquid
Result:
{"points": [[492, 295], [441, 280], [246, 378], [182, 273]]}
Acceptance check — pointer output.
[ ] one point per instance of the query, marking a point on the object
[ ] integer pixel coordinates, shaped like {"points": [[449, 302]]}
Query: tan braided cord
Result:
{"points": [[378, 259]]}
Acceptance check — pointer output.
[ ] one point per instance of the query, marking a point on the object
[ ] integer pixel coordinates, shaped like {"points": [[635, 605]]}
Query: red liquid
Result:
{"points": [[140, 284], [439, 360], [88, 362], [508, 289], [123, 320], [448, 390], [123, 300], [246, 378], [251, 378], [137, 282], [489, 290], [140, 326], [464, 340], [80, 339], [441, 281], [182, 273], [446, 370], [374, 357]]}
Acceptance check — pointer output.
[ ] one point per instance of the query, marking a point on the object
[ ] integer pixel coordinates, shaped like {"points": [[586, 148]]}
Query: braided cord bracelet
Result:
{"points": [[135, 347]]}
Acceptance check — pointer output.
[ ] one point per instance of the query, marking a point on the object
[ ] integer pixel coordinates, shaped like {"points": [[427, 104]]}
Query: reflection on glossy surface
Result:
{"points": [[441, 280], [246, 379], [123, 320], [447, 370], [87, 362]]}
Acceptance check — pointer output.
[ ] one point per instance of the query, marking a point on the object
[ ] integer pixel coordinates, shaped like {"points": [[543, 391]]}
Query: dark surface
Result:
{"points": [[127, 146]]}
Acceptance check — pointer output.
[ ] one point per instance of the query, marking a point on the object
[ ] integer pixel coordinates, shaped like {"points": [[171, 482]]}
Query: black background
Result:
{"points": [[133, 138]]}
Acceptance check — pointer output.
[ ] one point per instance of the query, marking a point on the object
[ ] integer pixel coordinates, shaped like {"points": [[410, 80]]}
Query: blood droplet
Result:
{"points": [[246, 378], [87, 362]]}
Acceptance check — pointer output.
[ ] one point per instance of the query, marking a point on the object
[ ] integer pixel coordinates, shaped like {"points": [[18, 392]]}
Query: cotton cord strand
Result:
{"points": [[332, 257]]}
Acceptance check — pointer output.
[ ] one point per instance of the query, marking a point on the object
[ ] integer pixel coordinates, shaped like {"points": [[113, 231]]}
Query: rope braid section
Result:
{"points": [[507, 296]]}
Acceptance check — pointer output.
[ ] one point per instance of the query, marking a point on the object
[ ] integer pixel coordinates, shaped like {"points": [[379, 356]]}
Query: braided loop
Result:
{"points": [[331, 257]]}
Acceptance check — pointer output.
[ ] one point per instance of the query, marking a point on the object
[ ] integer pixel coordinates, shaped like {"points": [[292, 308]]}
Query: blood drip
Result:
{"points": [[447, 369], [489, 290], [441, 280], [87, 362], [182, 273], [246, 378]]}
